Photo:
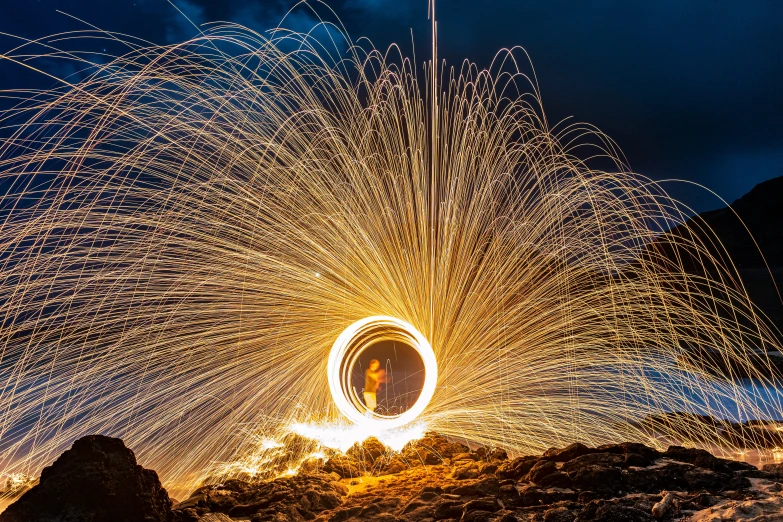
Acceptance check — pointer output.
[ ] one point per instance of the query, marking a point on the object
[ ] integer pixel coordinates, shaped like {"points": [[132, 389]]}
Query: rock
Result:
{"points": [[187, 515], [660, 509], [466, 471], [617, 482], [214, 517], [559, 514], [636, 460], [430, 492], [532, 496], [370, 510], [368, 451], [704, 479], [616, 513], [344, 466], [517, 468], [668, 476], [704, 459], [297, 497], [702, 500], [697, 457], [626, 448], [774, 469], [585, 497], [392, 466], [482, 504], [491, 454], [478, 516], [432, 449], [488, 486], [562, 495], [589, 510], [345, 514], [509, 495], [464, 490], [540, 470], [197, 499], [571, 451], [488, 468], [498, 454], [600, 479], [97, 479], [385, 517], [763, 510], [224, 499], [755, 473], [558, 479], [448, 509], [593, 459], [465, 456]]}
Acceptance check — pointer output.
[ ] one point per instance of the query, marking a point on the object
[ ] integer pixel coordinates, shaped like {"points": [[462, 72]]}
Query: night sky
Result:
{"points": [[690, 89]]}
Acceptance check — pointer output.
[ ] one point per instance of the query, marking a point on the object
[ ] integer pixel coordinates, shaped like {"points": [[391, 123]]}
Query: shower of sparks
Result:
{"points": [[341, 436], [186, 230]]}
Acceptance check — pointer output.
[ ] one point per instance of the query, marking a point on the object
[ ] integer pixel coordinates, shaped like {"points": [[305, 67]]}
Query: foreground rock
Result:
{"points": [[435, 479], [430, 480], [301, 497], [97, 480]]}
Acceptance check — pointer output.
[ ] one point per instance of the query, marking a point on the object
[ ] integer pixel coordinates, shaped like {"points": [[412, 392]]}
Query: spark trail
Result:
{"points": [[187, 229]]}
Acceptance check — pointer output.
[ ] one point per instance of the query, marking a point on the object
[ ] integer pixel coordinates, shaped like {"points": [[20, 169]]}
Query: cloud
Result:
{"points": [[181, 21], [368, 5], [260, 16]]}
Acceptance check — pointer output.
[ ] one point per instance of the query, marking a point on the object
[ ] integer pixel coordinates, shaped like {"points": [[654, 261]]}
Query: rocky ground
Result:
{"points": [[432, 479]]}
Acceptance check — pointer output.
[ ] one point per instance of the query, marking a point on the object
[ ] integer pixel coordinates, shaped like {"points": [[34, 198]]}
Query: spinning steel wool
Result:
{"points": [[187, 229]]}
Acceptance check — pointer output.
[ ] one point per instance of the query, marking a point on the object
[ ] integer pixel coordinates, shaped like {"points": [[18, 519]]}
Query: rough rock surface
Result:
{"points": [[300, 497], [435, 479], [96, 480]]}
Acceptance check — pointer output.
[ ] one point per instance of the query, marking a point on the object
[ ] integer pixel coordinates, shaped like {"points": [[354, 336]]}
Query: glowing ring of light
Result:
{"points": [[352, 342]]}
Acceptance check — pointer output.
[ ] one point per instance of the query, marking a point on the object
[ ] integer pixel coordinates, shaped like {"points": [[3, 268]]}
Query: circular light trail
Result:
{"points": [[346, 351]]}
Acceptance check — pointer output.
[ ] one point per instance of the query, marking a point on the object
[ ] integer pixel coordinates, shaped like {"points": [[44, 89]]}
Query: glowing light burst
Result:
{"points": [[341, 436], [342, 359], [187, 229]]}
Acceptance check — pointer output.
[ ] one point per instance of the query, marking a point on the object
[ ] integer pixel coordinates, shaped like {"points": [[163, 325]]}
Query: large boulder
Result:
{"points": [[97, 480], [631, 448], [704, 459], [575, 450]]}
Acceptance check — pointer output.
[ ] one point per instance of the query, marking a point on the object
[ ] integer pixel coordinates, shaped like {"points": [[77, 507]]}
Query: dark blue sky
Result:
{"points": [[690, 89]]}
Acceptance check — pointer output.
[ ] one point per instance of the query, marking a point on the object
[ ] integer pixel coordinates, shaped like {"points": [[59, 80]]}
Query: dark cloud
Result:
{"points": [[690, 90]]}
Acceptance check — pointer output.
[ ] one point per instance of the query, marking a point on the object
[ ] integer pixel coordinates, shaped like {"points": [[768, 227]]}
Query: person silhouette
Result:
{"points": [[373, 378]]}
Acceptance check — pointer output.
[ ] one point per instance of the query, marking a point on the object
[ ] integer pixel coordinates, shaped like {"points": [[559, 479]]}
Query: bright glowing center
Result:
{"points": [[347, 349]]}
